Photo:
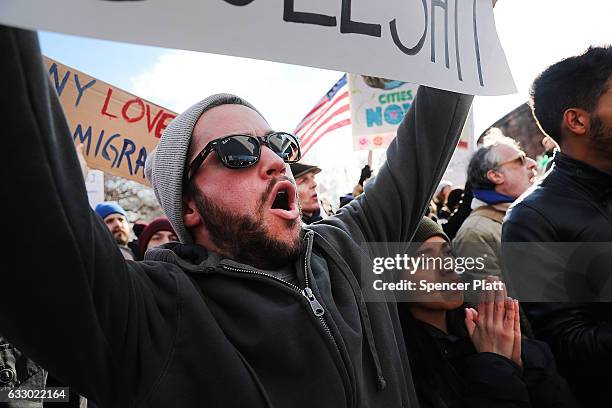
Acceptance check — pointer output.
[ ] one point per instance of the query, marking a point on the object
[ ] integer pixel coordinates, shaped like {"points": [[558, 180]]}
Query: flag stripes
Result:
{"points": [[330, 113]]}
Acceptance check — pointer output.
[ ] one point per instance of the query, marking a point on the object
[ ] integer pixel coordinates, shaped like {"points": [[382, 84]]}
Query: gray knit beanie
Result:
{"points": [[165, 165]]}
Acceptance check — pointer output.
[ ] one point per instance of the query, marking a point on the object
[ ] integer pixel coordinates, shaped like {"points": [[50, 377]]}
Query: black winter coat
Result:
{"points": [[565, 269], [448, 372]]}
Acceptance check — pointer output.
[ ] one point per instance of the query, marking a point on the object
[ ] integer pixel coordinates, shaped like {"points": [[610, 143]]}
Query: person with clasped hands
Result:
{"points": [[466, 357]]}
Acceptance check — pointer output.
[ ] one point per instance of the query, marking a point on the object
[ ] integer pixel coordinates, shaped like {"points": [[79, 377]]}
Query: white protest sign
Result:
{"points": [[377, 107], [94, 182], [448, 44]]}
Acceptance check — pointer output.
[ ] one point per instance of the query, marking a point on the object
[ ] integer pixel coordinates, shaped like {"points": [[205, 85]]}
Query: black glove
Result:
{"points": [[366, 173]]}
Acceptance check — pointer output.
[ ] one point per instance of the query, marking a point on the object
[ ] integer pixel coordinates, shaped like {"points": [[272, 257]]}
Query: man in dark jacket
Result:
{"points": [[250, 309], [569, 215]]}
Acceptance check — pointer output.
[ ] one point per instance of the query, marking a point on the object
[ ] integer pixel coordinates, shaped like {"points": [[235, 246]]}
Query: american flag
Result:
{"points": [[330, 113]]}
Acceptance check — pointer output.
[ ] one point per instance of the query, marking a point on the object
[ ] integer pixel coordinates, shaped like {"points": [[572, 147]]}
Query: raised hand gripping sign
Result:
{"points": [[447, 44]]}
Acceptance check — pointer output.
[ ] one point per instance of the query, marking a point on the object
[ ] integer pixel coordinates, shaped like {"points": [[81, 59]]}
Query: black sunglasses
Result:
{"points": [[242, 151]]}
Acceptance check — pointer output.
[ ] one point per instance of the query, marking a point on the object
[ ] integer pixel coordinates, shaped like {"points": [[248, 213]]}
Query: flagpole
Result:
{"points": [[370, 158]]}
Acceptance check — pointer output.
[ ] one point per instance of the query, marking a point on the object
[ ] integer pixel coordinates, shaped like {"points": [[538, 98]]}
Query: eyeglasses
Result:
{"points": [[242, 151], [522, 158]]}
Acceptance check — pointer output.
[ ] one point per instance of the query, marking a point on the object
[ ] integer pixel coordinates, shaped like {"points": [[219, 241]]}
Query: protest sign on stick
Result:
{"points": [[117, 129], [449, 45], [377, 107], [94, 183]]}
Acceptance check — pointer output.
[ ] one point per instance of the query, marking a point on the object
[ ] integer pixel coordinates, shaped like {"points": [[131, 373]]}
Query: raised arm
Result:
{"points": [[70, 301], [395, 200]]}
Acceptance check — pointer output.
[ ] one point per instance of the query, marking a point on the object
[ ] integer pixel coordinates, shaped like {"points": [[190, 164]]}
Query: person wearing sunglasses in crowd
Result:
{"points": [[498, 172], [250, 308], [471, 357]]}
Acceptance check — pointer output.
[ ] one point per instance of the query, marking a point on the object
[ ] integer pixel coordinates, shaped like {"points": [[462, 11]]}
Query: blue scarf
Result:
{"points": [[491, 196]]}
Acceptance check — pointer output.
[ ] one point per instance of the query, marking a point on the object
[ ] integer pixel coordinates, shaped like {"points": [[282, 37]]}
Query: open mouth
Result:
{"points": [[281, 200], [284, 201]]}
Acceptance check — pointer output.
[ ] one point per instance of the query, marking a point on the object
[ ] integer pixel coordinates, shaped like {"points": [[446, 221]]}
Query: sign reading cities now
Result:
{"points": [[450, 44], [118, 130], [377, 107]]}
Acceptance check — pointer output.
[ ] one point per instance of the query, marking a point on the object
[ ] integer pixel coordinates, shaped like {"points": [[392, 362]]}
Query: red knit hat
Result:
{"points": [[158, 224]]}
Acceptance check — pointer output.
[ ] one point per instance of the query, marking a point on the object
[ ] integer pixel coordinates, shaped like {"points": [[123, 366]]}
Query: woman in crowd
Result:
{"points": [[463, 357]]}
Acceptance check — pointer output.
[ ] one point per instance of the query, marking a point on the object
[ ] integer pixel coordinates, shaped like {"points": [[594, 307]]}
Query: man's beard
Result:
{"points": [[601, 136], [244, 238], [120, 237]]}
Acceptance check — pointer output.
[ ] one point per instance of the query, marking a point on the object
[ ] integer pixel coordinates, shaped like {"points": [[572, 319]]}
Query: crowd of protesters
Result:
{"points": [[148, 235], [548, 238], [249, 293]]}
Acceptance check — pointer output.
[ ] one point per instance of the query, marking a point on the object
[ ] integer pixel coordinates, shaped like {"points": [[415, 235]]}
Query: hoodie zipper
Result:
{"points": [[317, 309], [315, 306], [313, 300]]}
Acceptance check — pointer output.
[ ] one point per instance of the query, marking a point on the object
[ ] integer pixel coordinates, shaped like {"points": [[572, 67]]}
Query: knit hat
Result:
{"points": [[429, 228], [158, 224], [106, 208], [165, 165]]}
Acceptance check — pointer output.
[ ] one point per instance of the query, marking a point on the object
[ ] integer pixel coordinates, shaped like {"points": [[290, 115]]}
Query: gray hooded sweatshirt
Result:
{"points": [[187, 328]]}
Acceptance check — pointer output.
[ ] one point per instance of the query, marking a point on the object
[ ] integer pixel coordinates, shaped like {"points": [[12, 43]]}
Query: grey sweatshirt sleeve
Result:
{"points": [[395, 200]]}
